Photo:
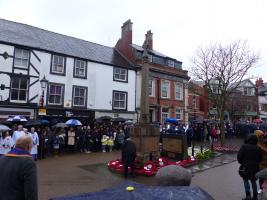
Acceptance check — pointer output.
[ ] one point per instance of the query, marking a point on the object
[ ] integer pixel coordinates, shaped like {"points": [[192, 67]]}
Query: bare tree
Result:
{"points": [[222, 68]]}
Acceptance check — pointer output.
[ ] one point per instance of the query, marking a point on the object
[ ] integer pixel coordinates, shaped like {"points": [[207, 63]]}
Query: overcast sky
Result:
{"points": [[179, 26]]}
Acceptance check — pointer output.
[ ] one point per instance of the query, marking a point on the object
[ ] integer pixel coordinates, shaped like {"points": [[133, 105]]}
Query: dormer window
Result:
{"points": [[158, 60], [170, 63]]}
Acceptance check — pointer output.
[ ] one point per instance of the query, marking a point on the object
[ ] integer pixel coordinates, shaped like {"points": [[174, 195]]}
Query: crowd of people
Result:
{"points": [[252, 157], [204, 132], [51, 140], [21, 146]]}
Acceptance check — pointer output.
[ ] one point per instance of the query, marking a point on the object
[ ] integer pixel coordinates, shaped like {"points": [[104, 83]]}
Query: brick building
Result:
{"points": [[168, 81], [198, 102], [243, 102]]}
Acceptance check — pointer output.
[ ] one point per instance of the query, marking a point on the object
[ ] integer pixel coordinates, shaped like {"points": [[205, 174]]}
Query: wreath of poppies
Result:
{"points": [[150, 168]]}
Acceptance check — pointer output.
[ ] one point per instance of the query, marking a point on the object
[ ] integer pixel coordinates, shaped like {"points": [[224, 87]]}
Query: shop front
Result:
{"points": [[6, 112], [62, 115]]}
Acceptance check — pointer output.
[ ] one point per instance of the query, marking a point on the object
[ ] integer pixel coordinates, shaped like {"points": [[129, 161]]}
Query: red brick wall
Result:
{"points": [[202, 102], [171, 102], [240, 103]]}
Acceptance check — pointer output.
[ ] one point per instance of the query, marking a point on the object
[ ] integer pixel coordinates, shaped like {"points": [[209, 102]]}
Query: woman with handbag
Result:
{"points": [[249, 156]]}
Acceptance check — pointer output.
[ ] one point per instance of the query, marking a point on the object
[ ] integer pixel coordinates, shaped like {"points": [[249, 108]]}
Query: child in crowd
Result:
{"points": [[104, 142], [110, 143]]}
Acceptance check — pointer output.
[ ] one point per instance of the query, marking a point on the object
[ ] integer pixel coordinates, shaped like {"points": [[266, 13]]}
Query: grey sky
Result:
{"points": [[179, 26]]}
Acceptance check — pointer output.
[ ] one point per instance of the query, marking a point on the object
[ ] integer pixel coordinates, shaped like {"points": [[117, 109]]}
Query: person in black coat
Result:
{"points": [[84, 139], [18, 177], [249, 156], [189, 135], [128, 156]]}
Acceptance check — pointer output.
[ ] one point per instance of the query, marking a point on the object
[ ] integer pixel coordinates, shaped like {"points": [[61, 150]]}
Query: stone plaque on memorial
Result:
{"points": [[174, 146]]}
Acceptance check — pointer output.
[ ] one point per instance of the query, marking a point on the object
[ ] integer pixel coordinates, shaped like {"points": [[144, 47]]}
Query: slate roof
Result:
{"points": [[139, 48], [40, 39], [241, 84]]}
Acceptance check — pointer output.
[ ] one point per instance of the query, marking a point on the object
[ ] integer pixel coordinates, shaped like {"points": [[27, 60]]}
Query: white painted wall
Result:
{"points": [[101, 85], [262, 100], [5, 65], [99, 80]]}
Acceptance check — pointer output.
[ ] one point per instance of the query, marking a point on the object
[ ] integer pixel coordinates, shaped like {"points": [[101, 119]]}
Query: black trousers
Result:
{"points": [[128, 162]]}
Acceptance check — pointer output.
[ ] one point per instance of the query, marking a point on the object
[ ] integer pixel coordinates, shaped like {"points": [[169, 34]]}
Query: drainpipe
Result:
{"points": [[158, 100], [135, 96]]}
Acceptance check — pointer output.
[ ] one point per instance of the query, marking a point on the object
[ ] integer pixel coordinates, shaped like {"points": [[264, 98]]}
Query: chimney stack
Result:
{"points": [[149, 39], [126, 32], [259, 82]]}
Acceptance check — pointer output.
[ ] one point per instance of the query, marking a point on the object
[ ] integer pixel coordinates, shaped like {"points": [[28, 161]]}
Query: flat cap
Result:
{"points": [[262, 174]]}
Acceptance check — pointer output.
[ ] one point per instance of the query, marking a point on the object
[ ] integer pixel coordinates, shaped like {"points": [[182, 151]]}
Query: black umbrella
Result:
{"points": [[119, 119], [103, 119], [60, 125], [37, 122], [142, 192], [7, 123]]}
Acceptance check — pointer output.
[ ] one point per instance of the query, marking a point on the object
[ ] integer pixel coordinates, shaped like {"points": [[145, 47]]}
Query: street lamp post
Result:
{"points": [[44, 83]]}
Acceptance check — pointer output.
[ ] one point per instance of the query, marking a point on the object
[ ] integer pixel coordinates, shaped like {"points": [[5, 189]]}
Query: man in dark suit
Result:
{"points": [[128, 156], [18, 177]]}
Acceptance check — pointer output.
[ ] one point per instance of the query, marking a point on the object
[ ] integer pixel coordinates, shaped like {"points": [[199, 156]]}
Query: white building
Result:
{"points": [[86, 80], [262, 98]]}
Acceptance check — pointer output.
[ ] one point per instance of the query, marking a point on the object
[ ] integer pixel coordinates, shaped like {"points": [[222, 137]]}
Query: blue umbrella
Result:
{"points": [[17, 119], [73, 122], [172, 120], [142, 192]]}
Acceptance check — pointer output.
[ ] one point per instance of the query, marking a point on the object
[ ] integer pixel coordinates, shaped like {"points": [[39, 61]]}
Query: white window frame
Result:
{"points": [[56, 65], [151, 90], [117, 73], [168, 89], [164, 115], [180, 86], [180, 113], [119, 100], [24, 56], [84, 97], [78, 67], [61, 95], [19, 90]]}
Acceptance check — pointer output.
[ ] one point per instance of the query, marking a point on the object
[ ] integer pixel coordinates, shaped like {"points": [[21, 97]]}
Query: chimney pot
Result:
{"points": [[259, 82], [149, 39], [126, 28]]}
